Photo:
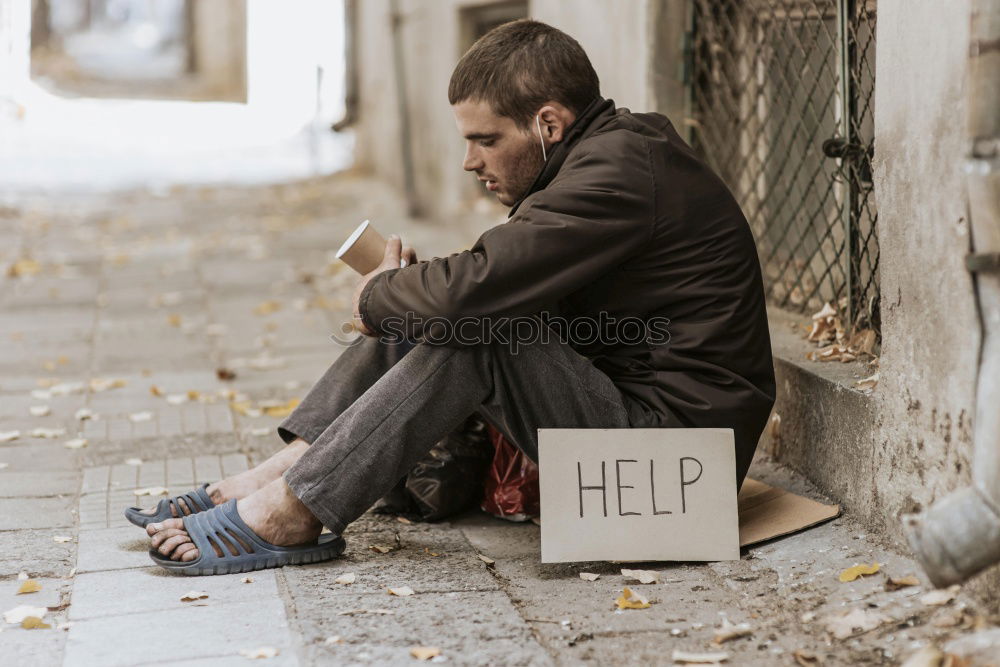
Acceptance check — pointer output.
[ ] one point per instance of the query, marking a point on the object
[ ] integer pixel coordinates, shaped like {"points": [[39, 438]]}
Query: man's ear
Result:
{"points": [[555, 119]]}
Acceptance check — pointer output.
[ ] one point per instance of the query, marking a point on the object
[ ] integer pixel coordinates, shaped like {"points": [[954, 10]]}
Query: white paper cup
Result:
{"points": [[364, 249]]}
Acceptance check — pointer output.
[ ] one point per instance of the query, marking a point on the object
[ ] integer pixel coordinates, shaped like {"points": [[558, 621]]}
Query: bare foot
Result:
{"points": [[243, 484], [273, 512]]}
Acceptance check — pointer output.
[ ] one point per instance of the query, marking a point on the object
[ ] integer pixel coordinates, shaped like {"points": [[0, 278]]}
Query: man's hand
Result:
{"points": [[396, 255]]}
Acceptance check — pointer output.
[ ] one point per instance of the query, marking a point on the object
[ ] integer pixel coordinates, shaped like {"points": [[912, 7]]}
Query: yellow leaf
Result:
{"points": [[852, 573], [631, 600], [257, 653], [34, 623], [425, 652], [24, 267], [29, 586], [895, 583], [282, 410], [193, 395], [267, 307], [191, 596]]}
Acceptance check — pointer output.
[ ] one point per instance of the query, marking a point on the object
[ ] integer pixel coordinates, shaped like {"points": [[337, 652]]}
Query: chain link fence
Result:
{"points": [[782, 96]]}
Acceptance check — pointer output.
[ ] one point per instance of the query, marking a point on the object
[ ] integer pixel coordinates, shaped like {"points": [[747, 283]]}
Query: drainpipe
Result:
{"points": [[959, 535]]}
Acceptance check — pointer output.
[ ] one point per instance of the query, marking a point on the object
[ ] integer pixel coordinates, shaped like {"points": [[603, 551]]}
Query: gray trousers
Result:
{"points": [[380, 407]]}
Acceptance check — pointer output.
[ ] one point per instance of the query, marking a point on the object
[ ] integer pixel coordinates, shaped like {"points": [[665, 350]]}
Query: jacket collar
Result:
{"points": [[590, 119]]}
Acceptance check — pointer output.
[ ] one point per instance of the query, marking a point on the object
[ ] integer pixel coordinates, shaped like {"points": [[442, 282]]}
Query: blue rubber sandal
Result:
{"points": [[196, 501], [222, 529]]}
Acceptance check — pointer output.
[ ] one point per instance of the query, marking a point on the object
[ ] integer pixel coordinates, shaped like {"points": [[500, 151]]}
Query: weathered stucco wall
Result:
{"points": [[930, 325]]}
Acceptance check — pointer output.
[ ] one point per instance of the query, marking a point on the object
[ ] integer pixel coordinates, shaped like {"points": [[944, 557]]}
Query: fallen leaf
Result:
{"points": [[40, 410], [852, 573], [728, 631], [486, 559], [425, 652], [49, 433], [76, 443], [22, 576], [152, 491], [869, 383], [246, 580], [854, 621], [345, 579], [267, 307], [101, 384], [84, 414], [895, 583], [687, 657], [174, 320], [155, 391], [335, 639], [23, 267], [642, 576], [18, 614], [225, 374], [589, 576], [143, 416], [62, 539], [629, 599], [8, 436], [379, 548], [805, 658], [257, 653], [29, 586], [403, 520], [191, 596], [402, 591], [34, 623], [282, 410], [940, 596]]}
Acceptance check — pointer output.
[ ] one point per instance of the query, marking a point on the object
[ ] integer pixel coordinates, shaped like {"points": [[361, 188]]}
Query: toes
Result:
{"points": [[172, 543], [179, 552], [189, 555], [154, 528], [160, 537]]}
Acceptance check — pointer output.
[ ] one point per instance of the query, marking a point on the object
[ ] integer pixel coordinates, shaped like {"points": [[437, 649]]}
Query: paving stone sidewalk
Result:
{"points": [[163, 336]]}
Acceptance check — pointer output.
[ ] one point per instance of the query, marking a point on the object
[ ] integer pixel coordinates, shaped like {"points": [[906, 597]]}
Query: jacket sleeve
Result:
{"points": [[594, 215]]}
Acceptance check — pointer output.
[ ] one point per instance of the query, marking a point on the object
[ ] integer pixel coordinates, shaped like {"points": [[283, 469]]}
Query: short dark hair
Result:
{"points": [[518, 66]]}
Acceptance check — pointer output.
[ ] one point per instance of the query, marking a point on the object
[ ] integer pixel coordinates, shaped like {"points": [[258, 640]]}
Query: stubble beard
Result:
{"points": [[524, 169]]}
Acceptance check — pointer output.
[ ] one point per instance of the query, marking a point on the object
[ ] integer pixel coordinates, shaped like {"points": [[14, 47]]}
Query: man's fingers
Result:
{"points": [[393, 249], [408, 255]]}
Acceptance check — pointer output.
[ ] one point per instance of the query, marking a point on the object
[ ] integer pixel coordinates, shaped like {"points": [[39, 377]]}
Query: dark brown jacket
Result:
{"points": [[625, 219]]}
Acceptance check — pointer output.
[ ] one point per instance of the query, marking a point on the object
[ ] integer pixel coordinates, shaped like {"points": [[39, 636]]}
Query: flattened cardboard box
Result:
{"points": [[657, 495]]}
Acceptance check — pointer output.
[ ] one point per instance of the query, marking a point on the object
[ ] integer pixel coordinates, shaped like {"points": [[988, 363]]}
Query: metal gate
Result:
{"points": [[782, 95]]}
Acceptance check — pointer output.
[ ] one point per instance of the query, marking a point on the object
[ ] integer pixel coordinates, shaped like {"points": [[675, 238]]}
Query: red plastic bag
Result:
{"points": [[511, 489]]}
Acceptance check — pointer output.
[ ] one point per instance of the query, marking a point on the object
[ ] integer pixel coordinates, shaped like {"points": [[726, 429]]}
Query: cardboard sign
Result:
{"points": [[638, 494]]}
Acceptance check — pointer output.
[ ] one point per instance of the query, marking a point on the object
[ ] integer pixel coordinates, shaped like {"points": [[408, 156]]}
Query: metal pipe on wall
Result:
{"points": [[959, 535]]}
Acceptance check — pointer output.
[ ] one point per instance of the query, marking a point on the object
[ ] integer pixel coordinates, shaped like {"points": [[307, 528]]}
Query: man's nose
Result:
{"points": [[472, 161]]}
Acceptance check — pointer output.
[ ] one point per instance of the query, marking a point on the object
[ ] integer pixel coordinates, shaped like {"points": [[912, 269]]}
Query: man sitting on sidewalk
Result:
{"points": [[624, 291]]}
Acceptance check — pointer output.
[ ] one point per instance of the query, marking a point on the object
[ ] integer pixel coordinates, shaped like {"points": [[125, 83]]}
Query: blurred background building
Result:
{"points": [[124, 93]]}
